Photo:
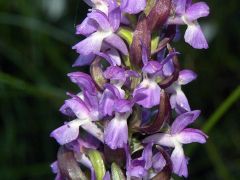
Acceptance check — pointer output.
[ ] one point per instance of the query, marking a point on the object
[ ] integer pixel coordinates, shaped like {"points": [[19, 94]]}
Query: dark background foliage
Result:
{"points": [[35, 54]]}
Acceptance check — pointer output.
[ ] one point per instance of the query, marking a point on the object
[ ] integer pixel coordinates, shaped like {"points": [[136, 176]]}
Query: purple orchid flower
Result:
{"points": [[100, 28], [116, 131], [188, 13], [149, 86], [114, 92], [178, 136], [139, 167], [178, 99], [84, 106]]}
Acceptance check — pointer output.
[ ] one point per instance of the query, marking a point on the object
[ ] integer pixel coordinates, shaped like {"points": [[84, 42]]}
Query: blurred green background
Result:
{"points": [[35, 54]]}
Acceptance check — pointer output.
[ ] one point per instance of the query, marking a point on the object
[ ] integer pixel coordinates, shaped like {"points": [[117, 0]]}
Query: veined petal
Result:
{"points": [[87, 27], [147, 156], [115, 57], [180, 6], [115, 18], [182, 104], [115, 73], [168, 68], [107, 103], [94, 130], [123, 105], [84, 60], [84, 81], [195, 37], [77, 106], [68, 132], [101, 19], [158, 162], [190, 135], [136, 169], [116, 91], [152, 67], [179, 161], [160, 139], [173, 101], [183, 121], [133, 6], [197, 10], [151, 90], [116, 132], [116, 42], [91, 44], [186, 76]]}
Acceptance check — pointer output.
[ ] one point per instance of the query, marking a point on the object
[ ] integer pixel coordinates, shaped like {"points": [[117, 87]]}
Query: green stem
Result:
{"points": [[215, 157], [217, 115], [221, 110]]}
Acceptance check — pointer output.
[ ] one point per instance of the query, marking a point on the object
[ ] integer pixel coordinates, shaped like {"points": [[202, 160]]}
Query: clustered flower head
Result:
{"points": [[130, 118]]}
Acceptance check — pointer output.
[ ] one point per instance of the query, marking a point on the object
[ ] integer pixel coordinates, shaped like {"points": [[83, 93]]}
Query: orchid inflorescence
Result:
{"points": [[130, 118]]}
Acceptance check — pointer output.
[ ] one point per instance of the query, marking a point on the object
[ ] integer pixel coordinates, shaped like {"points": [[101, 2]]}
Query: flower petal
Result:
{"points": [[186, 76], [182, 104], [93, 129], [91, 44], [180, 6], [197, 10], [168, 68], [84, 81], [115, 57], [115, 18], [152, 67], [133, 6], [68, 132], [190, 135], [116, 42], [158, 162], [123, 106], [84, 60], [115, 73], [160, 139], [195, 37], [136, 169], [151, 90], [107, 103], [179, 162], [77, 107], [116, 132], [100, 18], [147, 156], [184, 120], [87, 27]]}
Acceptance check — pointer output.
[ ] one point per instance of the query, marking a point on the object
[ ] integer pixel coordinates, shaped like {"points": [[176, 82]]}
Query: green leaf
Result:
{"points": [[98, 163], [117, 173]]}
